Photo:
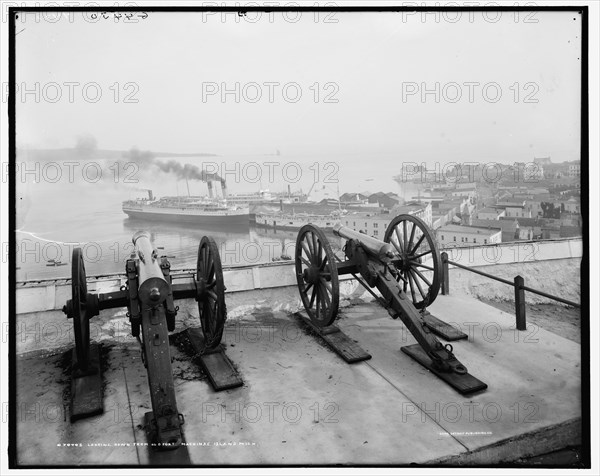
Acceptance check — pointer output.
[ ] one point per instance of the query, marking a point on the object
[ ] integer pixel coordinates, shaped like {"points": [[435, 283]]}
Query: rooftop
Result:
{"points": [[446, 207], [488, 210], [526, 221], [570, 231], [511, 204], [455, 201], [471, 230], [397, 210], [504, 225], [408, 207]]}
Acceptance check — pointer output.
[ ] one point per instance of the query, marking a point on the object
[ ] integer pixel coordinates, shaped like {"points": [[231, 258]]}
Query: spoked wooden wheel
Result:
{"points": [[317, 275], [210, 292], [78, 311], [420, 264]]}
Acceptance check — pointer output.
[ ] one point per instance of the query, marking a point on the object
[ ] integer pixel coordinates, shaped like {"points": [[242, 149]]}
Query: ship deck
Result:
{"points": [[301, 404]]}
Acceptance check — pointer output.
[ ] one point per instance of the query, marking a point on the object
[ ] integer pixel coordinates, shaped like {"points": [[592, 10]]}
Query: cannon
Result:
{"points": [[405, 267], [149, 297]]}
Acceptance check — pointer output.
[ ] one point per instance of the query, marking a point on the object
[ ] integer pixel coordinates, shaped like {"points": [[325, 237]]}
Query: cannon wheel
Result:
{"points": [[413, 240], [211, 292], [317, 275], [81, 320]]}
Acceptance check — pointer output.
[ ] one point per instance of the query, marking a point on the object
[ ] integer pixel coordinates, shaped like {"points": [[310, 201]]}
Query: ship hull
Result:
{"points": [[224, 220]]}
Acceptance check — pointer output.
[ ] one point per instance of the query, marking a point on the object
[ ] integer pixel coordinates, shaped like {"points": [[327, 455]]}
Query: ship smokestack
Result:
{"points": [[150, 196], [210, 189], [187, 184], [280, 205], [289, 190], [224, 188]]}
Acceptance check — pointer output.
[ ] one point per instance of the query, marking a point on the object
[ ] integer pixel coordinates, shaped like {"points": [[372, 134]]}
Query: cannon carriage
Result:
{"points": [[405, 268], [149, 297]]}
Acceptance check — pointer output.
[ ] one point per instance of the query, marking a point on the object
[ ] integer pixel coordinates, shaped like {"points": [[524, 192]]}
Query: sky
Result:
{"points": [[508, 88]]}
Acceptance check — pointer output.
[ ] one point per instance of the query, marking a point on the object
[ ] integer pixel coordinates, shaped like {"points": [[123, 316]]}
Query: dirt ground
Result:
{"points": [[561, 320]]}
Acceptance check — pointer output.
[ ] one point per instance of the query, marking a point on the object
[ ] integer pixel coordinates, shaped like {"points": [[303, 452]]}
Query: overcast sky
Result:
{"points": [[372, 62]]}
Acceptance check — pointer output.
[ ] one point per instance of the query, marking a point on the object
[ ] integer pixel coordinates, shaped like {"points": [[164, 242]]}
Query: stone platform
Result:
{"points": [[301, 404]]}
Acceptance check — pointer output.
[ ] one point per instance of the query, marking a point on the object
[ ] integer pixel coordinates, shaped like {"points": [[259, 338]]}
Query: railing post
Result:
{"points": [[520, 303], [445, 274]]}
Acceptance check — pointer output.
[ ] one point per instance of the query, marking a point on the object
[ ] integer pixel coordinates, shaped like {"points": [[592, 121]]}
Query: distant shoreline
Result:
{"points": [[70, 153]]}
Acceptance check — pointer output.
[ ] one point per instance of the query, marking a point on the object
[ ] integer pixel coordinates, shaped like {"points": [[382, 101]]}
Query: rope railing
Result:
{"points": [[518, 283]]}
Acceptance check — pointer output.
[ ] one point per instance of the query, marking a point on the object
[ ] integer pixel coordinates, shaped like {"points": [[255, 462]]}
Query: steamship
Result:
{"points": [[190, 209]]}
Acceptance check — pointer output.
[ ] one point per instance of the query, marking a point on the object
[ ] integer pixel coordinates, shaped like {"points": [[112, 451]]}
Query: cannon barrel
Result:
{"points": [[373, 246], [153, 288]]}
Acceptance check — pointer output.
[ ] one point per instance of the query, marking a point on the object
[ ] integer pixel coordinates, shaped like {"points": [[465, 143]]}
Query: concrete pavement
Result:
{"points": [[302, 404]]}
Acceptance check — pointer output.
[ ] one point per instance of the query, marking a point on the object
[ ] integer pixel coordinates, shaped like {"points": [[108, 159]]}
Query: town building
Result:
{"points": [[385, 200], [438, 220], [526, 172], [470, 193], [375, 224], [465, 185], [490, 213], [460, 235], [575, 169], [354, 199], [509, 227], [572, 205], [536, 228], [514, 208]]}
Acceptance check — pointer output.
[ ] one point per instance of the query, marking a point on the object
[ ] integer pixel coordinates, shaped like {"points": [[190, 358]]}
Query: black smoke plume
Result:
{"points": [[187, 171]]}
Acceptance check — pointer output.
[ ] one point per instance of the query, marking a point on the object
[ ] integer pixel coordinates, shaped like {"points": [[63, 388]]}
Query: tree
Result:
{"points": [[549, 210]]}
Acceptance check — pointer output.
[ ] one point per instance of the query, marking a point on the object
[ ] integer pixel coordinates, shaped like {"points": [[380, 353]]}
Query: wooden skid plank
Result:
{"points": [[197, 340], [219, 369], [345, 347], [464, 383], [87, 398], [443, 329], [349, 350]]}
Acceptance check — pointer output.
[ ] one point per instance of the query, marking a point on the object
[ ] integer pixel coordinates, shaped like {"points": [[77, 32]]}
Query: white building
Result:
{"points": [[459, 235], [375, 224], [575, 169], [489, 213], [470, 193], [465, 185], [572, 205], [515, 209]]}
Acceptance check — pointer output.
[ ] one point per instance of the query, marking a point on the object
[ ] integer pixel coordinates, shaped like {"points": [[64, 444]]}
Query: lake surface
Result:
{"points": [[54, 216]]}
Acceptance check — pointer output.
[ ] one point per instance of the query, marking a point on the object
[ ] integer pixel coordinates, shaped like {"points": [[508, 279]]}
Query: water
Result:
{"points": [[105, 238], [54, 218]]}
